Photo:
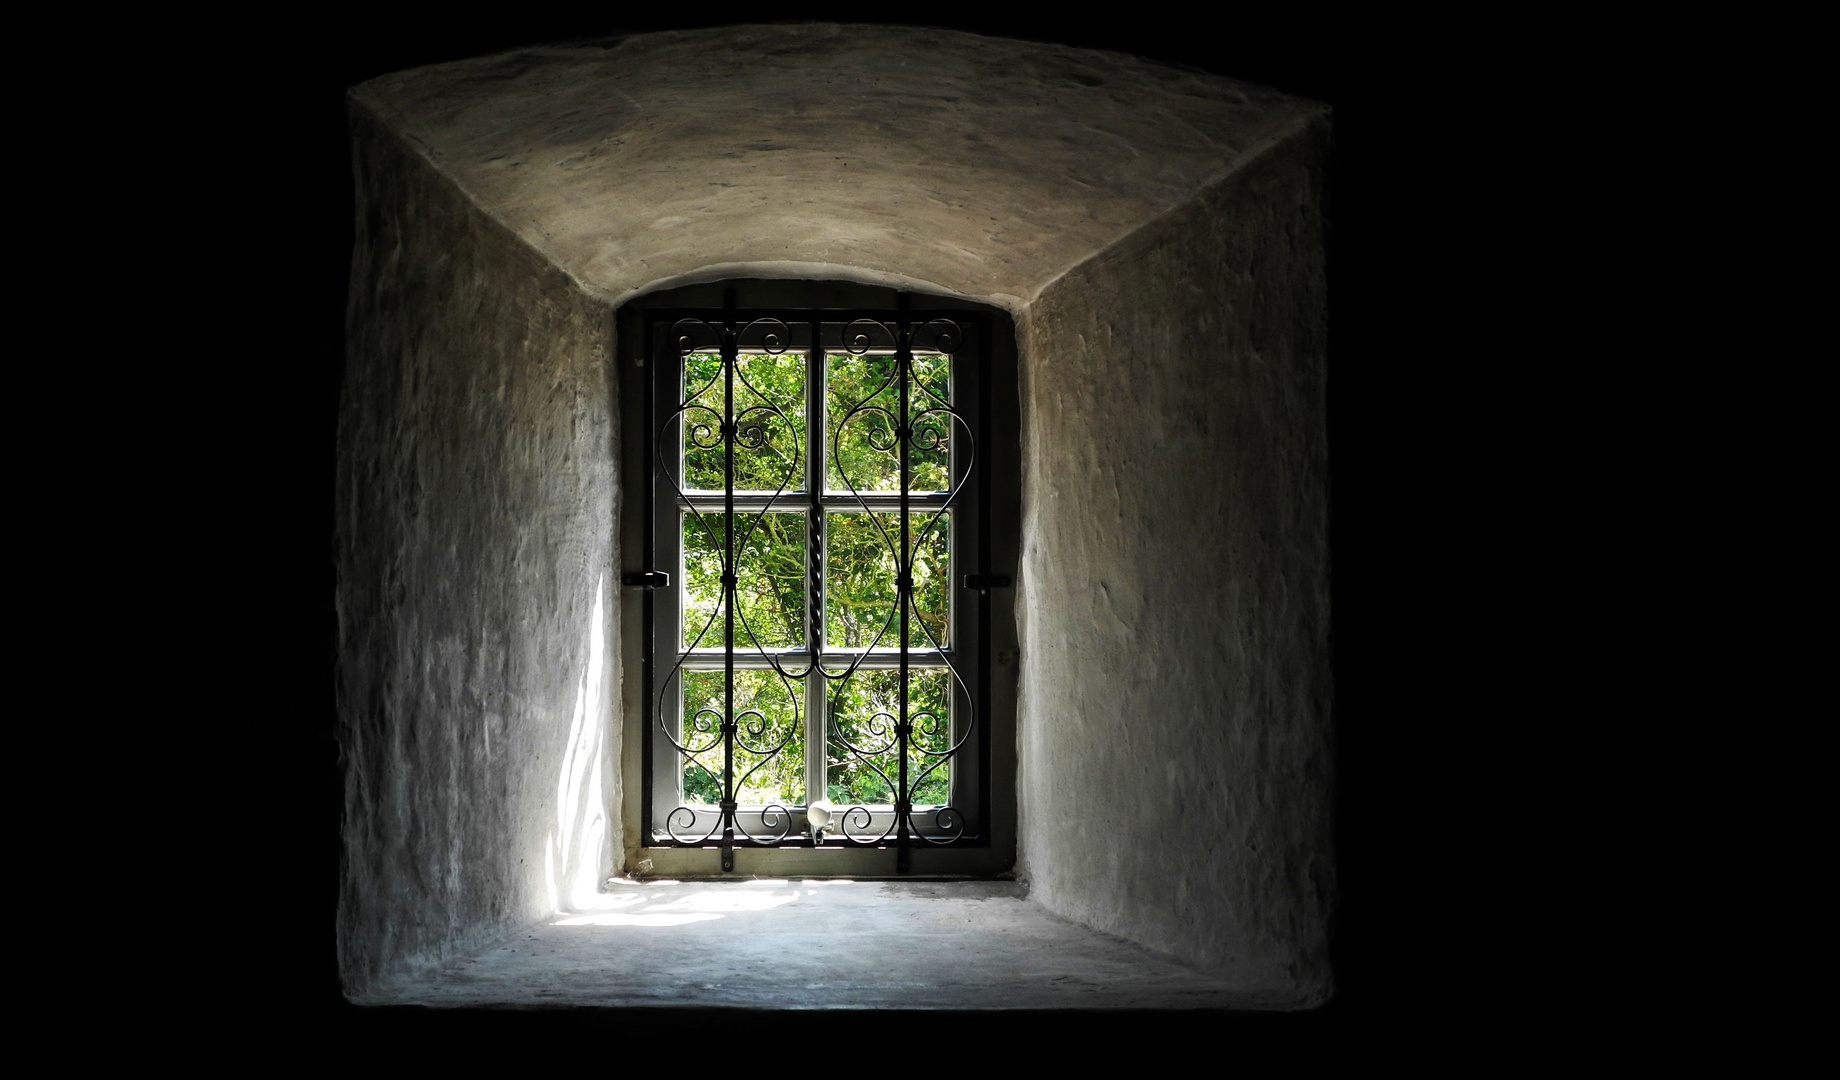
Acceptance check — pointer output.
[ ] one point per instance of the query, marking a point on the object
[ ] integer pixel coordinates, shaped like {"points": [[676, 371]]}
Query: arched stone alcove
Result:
{"points": [[1155, 235]]}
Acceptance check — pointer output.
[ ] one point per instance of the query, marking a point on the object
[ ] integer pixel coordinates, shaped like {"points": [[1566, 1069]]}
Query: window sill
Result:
{"points": [[803, 860]]}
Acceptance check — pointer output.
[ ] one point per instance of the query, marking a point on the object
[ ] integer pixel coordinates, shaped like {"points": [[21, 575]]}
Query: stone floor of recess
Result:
{"points": [[818, 944]]}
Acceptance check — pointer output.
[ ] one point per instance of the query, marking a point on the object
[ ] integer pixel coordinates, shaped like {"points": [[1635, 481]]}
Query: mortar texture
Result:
{"points": [[1175, 701], [1155, 234], [475, 577]]}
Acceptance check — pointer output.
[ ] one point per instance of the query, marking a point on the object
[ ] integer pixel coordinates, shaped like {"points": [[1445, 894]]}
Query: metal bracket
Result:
{"points": [[647, 579], [728, 816], [903, 821]]}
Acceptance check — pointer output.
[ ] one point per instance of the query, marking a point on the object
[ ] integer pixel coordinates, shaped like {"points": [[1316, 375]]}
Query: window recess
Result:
{"points": [[816, 616]]}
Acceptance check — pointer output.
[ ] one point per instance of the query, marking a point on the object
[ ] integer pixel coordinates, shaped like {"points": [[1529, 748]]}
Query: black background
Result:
{"points": [[1409, 191]]}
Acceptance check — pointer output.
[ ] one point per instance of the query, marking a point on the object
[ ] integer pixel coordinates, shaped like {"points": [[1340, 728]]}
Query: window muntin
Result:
{"points": [[833, 557]]}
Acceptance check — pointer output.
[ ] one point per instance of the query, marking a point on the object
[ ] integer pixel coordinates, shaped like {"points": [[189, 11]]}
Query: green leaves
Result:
{"points": [[769, 586], [860, 710], [862, 405], [765, 778], [765, 451], [860, 576], [769, 414]]}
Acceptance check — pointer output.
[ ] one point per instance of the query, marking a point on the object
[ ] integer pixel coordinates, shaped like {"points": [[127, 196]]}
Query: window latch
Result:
{"points": [[985, 582], [647, 579]]}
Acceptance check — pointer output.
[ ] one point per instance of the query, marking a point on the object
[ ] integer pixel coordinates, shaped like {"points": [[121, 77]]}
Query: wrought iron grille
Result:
{"points": [[817, 607]]}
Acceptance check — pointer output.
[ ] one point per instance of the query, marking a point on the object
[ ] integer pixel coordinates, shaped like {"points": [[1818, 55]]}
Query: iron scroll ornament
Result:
{"points": [[904, 429], [919, 418], [752, 428]]}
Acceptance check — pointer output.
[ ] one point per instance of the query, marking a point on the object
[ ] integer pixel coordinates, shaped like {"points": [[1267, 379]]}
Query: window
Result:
{"points": [[817, 610]]}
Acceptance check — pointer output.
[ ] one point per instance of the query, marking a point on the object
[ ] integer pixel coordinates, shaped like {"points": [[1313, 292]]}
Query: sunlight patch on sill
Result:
{"points": [[621, 919], [674, 910]]}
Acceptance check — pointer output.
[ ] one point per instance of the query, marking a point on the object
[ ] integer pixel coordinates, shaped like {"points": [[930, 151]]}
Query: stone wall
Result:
{"points": [[1175, 681], [474, 549]]}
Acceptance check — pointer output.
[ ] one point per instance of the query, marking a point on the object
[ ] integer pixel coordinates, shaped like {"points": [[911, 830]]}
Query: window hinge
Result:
{"points": [[647, 579], [987, 582]]}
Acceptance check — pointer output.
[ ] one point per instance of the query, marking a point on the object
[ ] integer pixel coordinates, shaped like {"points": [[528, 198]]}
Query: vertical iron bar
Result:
{"points": [[904, 585], [817, 720], [729, 577], [647, 601], [984, 356]]}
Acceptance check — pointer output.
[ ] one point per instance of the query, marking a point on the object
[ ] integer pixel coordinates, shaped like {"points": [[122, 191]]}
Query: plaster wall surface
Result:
{"points": [[981, 167], [474, 557], [1175, 583]]}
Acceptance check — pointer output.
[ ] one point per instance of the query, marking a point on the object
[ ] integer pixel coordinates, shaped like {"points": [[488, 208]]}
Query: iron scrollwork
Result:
{"points": [[753, 428], [904, 743], [899, 431]]}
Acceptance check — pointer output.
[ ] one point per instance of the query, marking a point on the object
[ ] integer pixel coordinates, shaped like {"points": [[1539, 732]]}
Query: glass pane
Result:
{"points": [[862, 760], [768, 711], [859, 601], [770, 580], [769, 415], [862, 403], [700, 425]]}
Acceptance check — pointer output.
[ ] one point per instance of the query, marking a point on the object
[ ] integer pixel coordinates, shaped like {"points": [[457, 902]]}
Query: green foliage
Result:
{"points": [[859, 570], [769, 580], [860, 575], [860, 398], [854, 705], [861, 401], [770, 392], [775, 778]]}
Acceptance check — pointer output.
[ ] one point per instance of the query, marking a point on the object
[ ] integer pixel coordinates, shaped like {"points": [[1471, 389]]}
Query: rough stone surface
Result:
{"points": [[807, 944], [977, 166], [1156, 235], [1175, 701], [474, 553]]}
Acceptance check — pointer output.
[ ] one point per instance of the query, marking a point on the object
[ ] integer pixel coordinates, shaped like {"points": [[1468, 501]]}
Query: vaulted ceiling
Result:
{"points": [[929, 159]]}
